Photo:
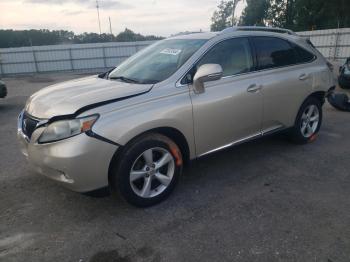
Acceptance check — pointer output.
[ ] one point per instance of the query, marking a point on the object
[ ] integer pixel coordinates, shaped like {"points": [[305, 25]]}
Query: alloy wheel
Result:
{"points": [[309, 121], [152, 172]]}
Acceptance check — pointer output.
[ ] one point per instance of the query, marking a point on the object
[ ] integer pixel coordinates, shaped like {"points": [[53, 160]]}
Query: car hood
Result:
{"points": [[68, 97]]}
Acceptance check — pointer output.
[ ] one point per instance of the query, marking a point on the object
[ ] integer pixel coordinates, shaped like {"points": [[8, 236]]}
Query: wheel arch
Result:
{"points": [[170, 132], [320, 95]]}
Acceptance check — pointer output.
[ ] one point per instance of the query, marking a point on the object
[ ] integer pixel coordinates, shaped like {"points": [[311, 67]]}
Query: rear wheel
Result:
{"points": [[148, 170], [308, 121]]}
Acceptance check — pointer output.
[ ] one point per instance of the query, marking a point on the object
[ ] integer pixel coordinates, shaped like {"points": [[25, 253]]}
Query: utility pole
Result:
{"points": [[98, 16], [110, 25], [235, 2]]}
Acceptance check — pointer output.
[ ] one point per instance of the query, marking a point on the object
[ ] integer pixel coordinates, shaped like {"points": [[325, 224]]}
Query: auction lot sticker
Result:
{"points": [[170, 51]]}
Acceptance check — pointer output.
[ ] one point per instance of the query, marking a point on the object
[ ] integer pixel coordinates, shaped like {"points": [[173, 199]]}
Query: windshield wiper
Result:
{"points": [[125, 79]]}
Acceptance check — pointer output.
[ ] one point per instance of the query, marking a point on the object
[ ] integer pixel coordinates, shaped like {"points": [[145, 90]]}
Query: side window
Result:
{"points": [[233, 55], [274, 52], [304, 56]]}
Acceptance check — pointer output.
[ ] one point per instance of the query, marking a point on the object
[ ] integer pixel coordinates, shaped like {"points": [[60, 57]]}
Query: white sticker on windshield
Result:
{"points": [[170, 51]]}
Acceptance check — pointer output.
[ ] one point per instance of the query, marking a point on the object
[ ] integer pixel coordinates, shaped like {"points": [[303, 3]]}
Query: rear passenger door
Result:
{"points": [[286, 79]]}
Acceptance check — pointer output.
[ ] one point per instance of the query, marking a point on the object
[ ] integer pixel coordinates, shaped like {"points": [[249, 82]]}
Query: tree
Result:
{"points": [[18, 38], [255, 13], [316, 14], [298, 15], [224, 16], [282, 13]]}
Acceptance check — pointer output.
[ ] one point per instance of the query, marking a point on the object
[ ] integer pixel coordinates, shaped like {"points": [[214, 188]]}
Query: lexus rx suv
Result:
{"points": [[133, 128]]}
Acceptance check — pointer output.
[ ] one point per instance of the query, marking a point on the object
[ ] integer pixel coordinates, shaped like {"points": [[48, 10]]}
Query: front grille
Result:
{"points": [[28, 125]]}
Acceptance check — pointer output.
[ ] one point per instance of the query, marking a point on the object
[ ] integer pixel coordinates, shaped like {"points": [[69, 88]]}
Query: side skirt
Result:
{"points": [[264, 133]]}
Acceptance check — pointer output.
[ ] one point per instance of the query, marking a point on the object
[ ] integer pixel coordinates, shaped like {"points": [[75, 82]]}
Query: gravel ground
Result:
{"points": [[267, 200]]}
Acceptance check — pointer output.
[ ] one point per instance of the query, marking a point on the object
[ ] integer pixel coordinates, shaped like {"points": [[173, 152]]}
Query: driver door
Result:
{"points": [[230, 109]]}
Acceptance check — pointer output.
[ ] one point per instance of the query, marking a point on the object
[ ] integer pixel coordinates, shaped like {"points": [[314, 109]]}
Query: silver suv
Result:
{"points": [[134, 128]]}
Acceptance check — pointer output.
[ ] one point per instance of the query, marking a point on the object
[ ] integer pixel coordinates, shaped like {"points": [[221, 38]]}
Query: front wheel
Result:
{"points": [[308, 121], [148, 170]]}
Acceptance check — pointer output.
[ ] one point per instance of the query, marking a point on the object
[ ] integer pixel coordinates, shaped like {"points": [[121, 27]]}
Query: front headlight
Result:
{"points": [[63, 129]]}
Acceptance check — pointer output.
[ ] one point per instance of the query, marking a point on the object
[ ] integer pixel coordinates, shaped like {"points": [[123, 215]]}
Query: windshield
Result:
{"points": [[157, 62]]}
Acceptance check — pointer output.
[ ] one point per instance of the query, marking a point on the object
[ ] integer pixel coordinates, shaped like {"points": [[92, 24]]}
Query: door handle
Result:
{"points": [[303, 77], [253, 88]]}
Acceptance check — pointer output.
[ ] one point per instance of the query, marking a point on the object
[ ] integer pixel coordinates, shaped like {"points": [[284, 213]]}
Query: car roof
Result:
{"points": [[206, 35], [242, 30]]}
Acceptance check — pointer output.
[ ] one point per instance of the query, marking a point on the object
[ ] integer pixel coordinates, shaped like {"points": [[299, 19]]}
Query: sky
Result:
{"points": [[148, 17]]}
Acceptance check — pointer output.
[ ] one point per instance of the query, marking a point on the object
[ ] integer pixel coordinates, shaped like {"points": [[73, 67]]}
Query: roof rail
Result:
{"points": [[258, 28]]}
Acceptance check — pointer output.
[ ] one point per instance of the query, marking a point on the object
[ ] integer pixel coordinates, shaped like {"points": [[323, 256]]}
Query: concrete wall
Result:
{"points": [[334, 44], [77, 57]]}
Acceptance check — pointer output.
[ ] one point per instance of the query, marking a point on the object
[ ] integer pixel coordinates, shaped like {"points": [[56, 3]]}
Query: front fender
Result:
{"points": [[122, 125]]}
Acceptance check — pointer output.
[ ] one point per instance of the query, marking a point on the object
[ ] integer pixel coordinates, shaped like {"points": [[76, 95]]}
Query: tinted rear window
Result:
{"points": [[274, 52], [304, 56]]}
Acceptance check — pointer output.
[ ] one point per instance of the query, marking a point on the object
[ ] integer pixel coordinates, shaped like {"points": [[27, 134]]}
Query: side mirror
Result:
{"points": [[206, 73]]}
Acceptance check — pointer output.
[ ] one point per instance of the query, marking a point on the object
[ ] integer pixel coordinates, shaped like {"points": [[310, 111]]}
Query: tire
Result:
{"points": [[3, 90], [307, 125], [137, 174], [339, 101]]}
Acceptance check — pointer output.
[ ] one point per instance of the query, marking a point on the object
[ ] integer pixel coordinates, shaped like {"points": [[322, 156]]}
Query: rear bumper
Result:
{"points": [[79, 163]]}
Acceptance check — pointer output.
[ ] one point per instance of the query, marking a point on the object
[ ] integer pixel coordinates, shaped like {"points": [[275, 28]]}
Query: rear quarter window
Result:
{"points": [[304, 56], [274, 52]]}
